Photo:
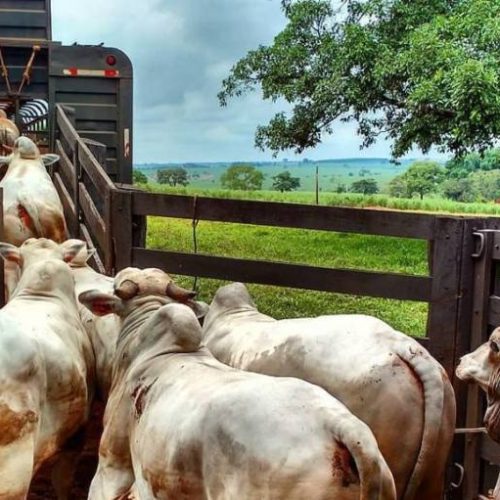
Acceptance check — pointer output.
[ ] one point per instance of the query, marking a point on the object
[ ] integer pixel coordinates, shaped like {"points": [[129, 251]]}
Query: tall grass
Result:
{"points": [[433, 205]]}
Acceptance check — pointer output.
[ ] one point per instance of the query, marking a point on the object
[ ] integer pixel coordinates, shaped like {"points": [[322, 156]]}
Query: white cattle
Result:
{"points": [[31, 205], [46, 368], [102, 331], [181, 425], [8, 132], [384, 377]]}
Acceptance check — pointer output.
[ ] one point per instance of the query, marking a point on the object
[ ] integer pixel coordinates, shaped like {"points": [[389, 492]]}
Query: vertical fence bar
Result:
{"points": [[462, 345], [109, 251], [121, 228], [76, 186], [479, 331], [444, 306]]}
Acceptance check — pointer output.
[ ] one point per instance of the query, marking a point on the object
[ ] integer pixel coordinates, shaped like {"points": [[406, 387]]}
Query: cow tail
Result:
{"points": [[432, 378], [353, 435]]}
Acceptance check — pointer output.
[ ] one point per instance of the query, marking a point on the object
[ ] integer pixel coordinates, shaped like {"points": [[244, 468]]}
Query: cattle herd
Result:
{"points": [[204, 401]]}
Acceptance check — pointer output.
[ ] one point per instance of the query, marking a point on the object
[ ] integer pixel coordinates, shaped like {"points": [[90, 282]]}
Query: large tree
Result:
{"points": [[242, 176], [421, 73], [365, 186], [173, 176], [139, 177], [285, 182], [423, 177]]}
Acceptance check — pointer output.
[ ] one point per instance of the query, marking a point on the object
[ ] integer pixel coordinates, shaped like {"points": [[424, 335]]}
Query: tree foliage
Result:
{"points": [[423, 177], [139, 177], [458, 168], [365, 186], [486, 184], [459, 190], [398, 187], [242, 176], [173, 176], [285, 182], [421, 73]]}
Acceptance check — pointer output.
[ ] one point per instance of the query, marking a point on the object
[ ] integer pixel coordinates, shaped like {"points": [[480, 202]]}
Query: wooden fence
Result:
{"points": [[112, 219]]}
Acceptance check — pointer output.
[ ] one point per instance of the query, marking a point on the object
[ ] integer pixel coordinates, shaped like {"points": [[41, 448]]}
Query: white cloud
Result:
{"points": [[181, 51]]}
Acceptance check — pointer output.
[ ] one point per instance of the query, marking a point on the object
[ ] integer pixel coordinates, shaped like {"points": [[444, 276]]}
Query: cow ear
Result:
{"points": [[10, 253], [70, 252], [199, 308], [101, 304], [50, 159]]}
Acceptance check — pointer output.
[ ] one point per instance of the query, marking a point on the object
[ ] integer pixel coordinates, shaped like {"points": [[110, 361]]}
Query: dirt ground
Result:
{"points": [[41, 488]]}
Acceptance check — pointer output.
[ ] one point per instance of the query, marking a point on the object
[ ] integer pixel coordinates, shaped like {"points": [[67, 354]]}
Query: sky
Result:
{"points": [[181, 51]]}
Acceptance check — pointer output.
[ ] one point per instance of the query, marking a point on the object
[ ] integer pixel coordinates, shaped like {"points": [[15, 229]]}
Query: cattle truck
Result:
{"points": [[93, 83]]}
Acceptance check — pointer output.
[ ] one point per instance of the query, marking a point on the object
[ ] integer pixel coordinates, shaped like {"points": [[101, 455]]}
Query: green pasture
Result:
{"points": [[309, 247], [428, 204], [332, 173]]}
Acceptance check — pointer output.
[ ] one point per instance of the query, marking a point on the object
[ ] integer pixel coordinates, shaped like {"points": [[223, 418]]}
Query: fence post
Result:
{"points": [[76, 187], [121, 228], [462, 346], [444, 306], [479, 330]]}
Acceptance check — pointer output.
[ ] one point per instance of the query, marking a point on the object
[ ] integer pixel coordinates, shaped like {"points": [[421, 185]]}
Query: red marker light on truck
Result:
{"points": [[110, 60]]}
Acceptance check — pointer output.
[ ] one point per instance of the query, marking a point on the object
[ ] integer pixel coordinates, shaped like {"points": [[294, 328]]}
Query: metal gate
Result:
{"points": [[481, 454]]}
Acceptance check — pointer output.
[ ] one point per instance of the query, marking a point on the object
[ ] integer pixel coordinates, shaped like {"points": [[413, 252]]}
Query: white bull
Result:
{"points": [[384, 377], [46, 367], [31, 205], [181, 425], [102, 331]]}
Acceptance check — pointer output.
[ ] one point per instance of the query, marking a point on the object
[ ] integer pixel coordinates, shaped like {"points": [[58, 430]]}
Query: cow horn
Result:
{"points": [[127, 290], [179, 294]]}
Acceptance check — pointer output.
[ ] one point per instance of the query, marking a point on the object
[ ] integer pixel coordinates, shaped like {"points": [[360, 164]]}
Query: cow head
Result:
{"points": [[82, 257], [233, 296], [24, 148], [35, 265], [483, 368], [132, 285], [39, 250]]}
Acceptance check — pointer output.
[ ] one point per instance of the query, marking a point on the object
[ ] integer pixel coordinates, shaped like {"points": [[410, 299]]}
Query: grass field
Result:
{"points": [[428, 204], [332, 173]]}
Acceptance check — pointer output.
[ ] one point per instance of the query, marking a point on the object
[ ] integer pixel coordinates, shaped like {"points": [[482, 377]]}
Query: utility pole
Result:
{"points": [[317, 185]]}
